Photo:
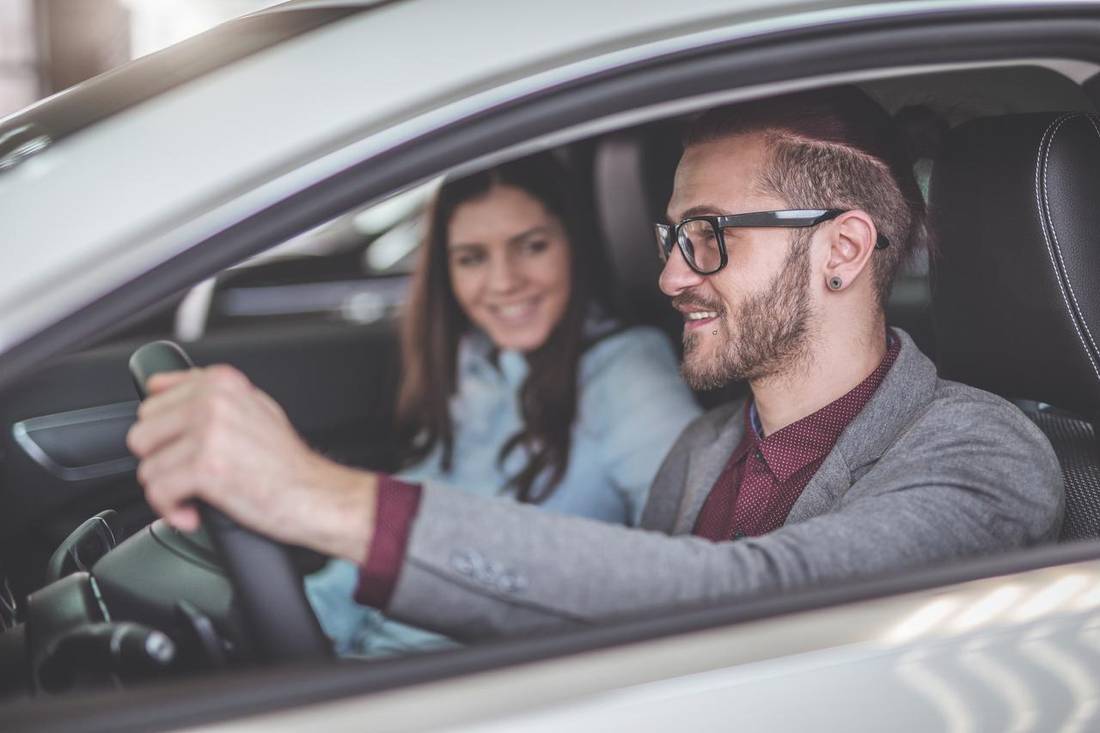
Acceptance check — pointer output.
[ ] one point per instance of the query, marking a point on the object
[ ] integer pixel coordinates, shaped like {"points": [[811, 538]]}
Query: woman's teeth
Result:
{"points": [[516, 311]]}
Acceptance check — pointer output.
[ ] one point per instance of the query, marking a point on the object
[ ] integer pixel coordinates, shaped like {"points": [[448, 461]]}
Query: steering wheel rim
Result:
{"points": [[259, 569]]}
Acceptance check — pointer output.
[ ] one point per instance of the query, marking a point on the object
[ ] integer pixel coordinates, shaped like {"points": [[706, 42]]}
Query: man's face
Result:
{"points": [[750, 320]]}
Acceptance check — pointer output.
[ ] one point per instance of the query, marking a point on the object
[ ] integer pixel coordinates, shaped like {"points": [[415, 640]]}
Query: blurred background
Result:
{"points": [[50, 45], [353, 268]]}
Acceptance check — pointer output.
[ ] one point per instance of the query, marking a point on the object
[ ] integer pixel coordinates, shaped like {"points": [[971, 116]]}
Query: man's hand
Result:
{"points": [[210, 434]]}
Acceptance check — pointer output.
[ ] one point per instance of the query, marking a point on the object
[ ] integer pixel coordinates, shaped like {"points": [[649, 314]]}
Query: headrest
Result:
{"points": [[633, 172], [1016, 281]]}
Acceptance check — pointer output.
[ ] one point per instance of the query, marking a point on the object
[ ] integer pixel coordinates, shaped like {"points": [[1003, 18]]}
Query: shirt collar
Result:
{"points": [[789, 450], [478, 359]]}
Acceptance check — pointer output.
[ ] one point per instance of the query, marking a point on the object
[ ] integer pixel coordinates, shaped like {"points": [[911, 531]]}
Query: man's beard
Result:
{"points": [[771, 329]]}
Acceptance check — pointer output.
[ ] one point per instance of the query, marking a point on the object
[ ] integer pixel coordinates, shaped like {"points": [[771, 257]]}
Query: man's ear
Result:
{"points": [[852, 240]]}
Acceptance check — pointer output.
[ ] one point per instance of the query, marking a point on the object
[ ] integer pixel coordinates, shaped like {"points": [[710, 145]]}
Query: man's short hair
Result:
{"points": [[833, 148]]}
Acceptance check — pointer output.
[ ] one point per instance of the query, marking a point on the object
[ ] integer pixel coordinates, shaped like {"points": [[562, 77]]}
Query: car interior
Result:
{"points": [[1003, 302]]}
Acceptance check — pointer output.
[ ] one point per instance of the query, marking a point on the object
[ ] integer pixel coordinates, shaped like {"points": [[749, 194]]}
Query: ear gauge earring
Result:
{"points": [[835, 283]]}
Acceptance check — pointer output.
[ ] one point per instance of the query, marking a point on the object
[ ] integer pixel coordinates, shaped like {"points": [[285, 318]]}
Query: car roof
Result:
{"points": [[142, 185]]}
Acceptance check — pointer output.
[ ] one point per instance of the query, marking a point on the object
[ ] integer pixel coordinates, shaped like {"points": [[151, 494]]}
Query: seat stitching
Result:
{"points": [[1055, 252], [1058, 247], [1057, 264]]}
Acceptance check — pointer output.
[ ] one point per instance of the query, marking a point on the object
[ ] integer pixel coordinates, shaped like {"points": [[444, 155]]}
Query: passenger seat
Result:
{"points": [[632, 174]]}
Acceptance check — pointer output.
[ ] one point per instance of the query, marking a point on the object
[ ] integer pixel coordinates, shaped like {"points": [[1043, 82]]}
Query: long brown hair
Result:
{"points": [[434, 323]]}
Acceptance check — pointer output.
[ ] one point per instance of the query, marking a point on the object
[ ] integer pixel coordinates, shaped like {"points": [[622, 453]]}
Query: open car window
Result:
{"points": [[353, 268]]}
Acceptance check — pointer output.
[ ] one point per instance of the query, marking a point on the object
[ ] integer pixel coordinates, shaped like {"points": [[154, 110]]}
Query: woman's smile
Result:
{"points": [[516, 314]]}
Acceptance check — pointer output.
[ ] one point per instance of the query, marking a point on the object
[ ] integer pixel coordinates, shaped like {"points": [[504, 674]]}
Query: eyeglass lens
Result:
{"points": [[700, 242]]}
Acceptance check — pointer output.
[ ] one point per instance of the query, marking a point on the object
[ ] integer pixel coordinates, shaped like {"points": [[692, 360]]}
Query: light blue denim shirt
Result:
{"points": [[632, 404]]}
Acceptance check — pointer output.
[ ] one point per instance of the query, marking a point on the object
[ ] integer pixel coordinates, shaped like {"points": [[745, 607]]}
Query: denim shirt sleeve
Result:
{"points": [[635, 404]]}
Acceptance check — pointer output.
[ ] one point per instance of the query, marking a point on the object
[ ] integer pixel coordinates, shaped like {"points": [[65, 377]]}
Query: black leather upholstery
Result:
{"points": [[1074, 441], [633, 172], [1014, 284], [1015, 289]]}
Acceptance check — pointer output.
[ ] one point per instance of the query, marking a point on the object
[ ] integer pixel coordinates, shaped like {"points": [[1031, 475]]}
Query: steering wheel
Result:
{"points": [[278, 619]]}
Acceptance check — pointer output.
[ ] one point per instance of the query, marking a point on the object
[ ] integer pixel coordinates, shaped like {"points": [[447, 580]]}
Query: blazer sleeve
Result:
{"points": [[478, 567]]}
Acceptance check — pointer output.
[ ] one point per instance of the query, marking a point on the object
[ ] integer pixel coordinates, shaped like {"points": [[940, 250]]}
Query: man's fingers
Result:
{"points": [[170, 495], [178, 392], [268, 403], [150, 434], [184, 518], [169, 389], [177, 455], [165, 381], [197, 401]]}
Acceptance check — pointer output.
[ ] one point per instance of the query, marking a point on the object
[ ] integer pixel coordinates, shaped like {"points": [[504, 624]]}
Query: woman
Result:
{"points": [[518, 378]]}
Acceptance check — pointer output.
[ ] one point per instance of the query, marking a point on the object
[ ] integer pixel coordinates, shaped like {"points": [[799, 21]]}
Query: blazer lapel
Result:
{"points": [[705, 464], [905, 391], [823, 489]]}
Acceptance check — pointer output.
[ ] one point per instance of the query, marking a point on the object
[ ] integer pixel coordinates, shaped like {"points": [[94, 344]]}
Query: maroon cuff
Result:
{"points": [[393, 519]]}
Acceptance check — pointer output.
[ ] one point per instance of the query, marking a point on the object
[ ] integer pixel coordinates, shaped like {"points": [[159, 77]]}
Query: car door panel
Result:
{"points": [[64, 453]]}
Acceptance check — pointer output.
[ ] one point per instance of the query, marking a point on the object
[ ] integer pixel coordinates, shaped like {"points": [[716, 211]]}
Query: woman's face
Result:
{"points": [[509, 263]]}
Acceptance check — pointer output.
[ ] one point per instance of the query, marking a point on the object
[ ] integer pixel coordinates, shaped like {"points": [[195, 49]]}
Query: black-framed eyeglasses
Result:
{"points": [[703, 245]]}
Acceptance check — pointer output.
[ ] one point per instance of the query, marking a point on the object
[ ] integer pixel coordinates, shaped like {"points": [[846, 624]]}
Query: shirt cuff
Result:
{"points": [[394, 514]]}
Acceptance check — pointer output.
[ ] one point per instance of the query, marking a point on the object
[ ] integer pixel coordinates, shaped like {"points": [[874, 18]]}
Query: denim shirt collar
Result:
{"points": [[475, 361]]}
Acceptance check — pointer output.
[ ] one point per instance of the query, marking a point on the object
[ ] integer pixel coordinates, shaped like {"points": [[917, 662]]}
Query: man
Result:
{"points": [[789, 220]]}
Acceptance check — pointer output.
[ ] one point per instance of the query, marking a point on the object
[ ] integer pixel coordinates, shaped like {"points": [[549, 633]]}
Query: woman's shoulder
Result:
{"points": [[629, 349], [630, 378]]}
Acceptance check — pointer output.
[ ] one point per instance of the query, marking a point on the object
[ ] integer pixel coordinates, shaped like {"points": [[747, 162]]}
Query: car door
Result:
{"points": [[491, 682], [316, 331]]}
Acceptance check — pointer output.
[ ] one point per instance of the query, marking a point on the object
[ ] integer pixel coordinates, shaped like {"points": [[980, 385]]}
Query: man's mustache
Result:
{"points": [[688, 300]]}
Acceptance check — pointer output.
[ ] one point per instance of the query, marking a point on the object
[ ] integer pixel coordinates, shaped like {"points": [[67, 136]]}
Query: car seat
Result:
{"points": [[1014, 283], [632, 180]]}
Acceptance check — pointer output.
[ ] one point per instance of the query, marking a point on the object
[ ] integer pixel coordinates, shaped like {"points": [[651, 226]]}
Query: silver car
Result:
{"points": [[254, 193]]}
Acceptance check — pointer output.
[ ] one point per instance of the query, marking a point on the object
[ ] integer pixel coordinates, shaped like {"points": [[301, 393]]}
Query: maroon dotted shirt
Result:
{"points": [[766, 475]]}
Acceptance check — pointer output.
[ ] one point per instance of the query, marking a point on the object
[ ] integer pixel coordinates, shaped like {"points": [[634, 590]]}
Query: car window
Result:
{"points": [[351, 269]]}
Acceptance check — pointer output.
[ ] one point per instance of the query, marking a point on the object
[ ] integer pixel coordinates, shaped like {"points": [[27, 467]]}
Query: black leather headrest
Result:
{"points": [[1016, 282], [633, 172]]}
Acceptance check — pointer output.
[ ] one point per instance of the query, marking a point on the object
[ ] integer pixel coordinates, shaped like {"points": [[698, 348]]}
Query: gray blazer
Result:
{"points": [[929, 471]]}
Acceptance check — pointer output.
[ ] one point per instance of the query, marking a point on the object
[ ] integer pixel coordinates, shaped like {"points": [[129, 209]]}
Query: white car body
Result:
{"points": [[96, 210]]}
